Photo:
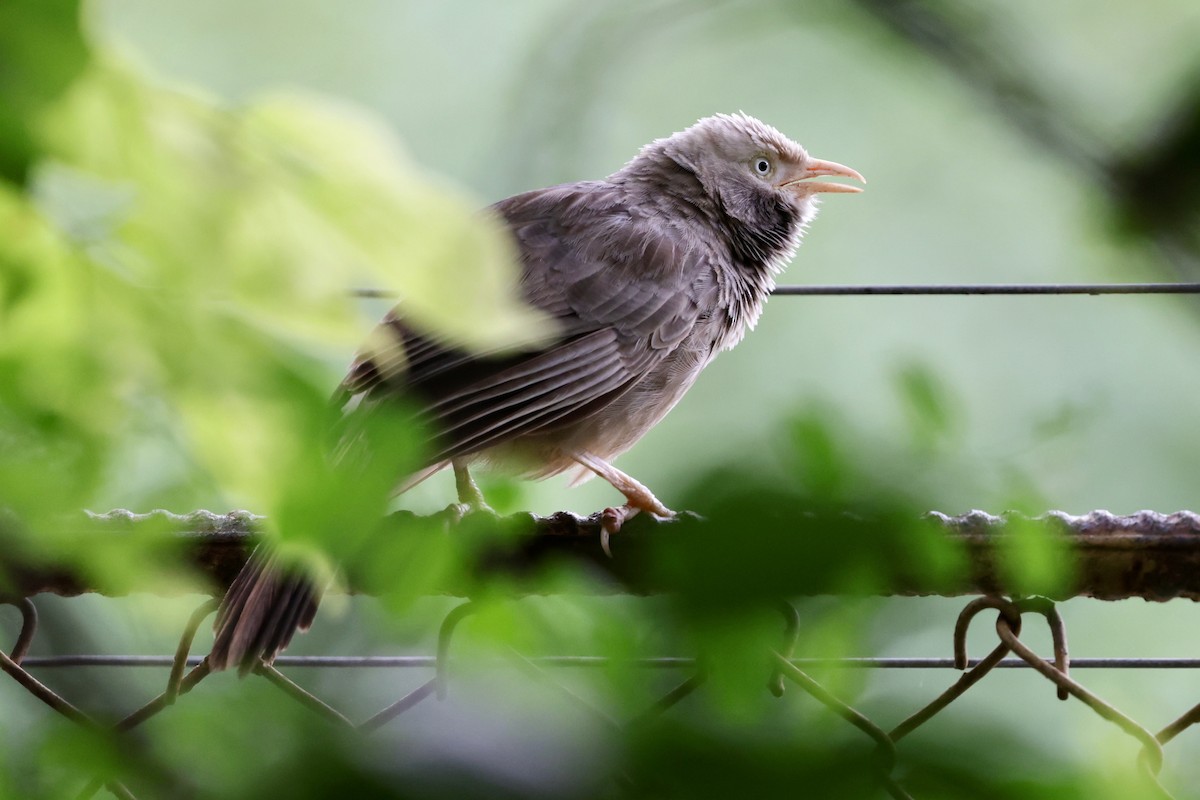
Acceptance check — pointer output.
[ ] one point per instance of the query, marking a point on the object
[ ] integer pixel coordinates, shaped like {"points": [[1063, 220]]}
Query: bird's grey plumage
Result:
{"points": [[648, 275]]}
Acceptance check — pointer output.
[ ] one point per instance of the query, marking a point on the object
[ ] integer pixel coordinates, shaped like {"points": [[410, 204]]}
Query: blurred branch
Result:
{"points": [[978, 55], [1157, 184], [1149, 555], [1154, 188]]}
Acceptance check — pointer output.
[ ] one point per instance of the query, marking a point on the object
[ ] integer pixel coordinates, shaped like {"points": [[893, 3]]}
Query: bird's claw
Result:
{"points": [[611, 520], [457, 512]]}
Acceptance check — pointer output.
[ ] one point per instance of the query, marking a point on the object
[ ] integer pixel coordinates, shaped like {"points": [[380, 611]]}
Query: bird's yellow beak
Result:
{"points": [[815, 167]]}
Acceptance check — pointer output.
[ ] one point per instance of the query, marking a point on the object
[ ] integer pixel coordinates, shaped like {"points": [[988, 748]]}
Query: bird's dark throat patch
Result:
{"points": [[761, 235]]}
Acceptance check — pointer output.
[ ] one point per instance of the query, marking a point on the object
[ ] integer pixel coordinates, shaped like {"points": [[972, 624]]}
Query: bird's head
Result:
{"points": [[740, 158], [755, 175]]}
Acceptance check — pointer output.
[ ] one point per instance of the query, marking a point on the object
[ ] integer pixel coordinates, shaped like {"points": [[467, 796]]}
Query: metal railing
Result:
{"points": [[1114, 556]]}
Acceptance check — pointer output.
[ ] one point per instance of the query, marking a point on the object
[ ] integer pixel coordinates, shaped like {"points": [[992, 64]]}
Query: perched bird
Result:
{"points": [[649, 274]]}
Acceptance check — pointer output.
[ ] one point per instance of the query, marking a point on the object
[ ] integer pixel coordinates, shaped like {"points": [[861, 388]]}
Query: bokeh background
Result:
{"points": [[1003, 143]]}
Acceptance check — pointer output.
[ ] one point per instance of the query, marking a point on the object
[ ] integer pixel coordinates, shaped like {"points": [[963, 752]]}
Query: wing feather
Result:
{"points": [[617, 284]]}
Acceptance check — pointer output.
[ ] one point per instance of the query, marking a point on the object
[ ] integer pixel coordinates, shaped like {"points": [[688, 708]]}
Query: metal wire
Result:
{"points": [[993, 289], [665, 662], [1149, 758], [949, 289]]}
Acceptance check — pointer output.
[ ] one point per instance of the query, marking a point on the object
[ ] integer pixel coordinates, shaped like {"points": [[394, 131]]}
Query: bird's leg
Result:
{"points": [[637, 497], [469, 497], [468, 490]]}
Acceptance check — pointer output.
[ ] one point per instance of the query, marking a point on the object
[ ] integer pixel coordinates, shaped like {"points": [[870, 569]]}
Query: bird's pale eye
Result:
{"points": [[762, 166]]}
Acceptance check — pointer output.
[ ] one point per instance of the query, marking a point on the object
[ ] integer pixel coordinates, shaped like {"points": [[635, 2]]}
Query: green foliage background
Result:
{"points": [[188, 191]]}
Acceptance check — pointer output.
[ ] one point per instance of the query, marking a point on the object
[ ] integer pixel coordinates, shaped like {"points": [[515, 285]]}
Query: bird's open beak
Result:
{"points": [[815, 167]]}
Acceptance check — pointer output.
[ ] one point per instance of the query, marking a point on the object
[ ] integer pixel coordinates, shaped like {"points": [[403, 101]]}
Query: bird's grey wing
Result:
{"points": [[617, 285]]}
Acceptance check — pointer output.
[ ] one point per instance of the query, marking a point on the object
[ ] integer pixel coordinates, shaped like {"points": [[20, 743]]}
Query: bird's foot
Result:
{"points": [[637, 498], [457, 512], [468, 490], [470, 499], [612, 518]]}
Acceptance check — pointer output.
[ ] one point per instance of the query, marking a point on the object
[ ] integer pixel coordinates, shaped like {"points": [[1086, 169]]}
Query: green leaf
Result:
{"points": [[929, 405], [41, 51], [179, 295]]}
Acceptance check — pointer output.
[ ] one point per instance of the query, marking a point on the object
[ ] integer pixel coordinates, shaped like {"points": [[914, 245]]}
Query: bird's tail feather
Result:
{"points": [[267, 603]]}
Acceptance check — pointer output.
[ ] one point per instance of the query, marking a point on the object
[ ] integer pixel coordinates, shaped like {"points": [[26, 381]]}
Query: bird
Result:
{"points": [[647, 274]]}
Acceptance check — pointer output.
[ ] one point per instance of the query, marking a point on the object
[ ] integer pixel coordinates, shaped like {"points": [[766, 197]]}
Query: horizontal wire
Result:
{"points": [[343, 662], [992, 289], [935, 289]]}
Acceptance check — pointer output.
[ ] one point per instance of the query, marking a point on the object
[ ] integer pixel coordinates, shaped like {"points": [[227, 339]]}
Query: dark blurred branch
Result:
{"points": [[1153, 187], [1157, 184], [975, 51], [1149, 555]]}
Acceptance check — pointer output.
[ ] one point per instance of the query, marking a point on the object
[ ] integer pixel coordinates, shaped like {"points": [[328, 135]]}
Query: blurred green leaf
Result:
{"points": [[928, 405], [1035, 560], [819, 464], [281, 208], [42, 49], [769, 535], [56, 414], [675, 759], [197, 261]]}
